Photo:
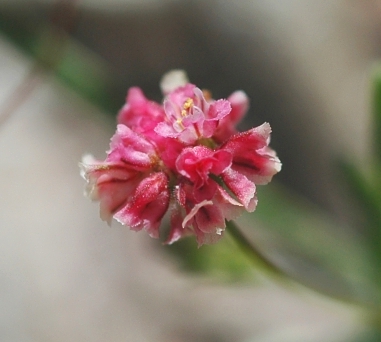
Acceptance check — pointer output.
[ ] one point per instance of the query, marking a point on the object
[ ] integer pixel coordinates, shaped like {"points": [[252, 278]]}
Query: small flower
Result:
{"points": [[115, 182], [140, 114], [147, 205], [197, 164], [208, 222], [251, 155], [190, 117], [184, 157]]}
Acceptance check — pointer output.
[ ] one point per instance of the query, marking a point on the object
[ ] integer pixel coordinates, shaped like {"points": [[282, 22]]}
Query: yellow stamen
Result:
{"points": [[188, 104], [180, 123], [102, 167]]}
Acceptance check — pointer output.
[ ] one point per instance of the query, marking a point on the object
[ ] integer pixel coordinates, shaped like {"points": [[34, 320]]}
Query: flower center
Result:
{"points": [[188, 104]]}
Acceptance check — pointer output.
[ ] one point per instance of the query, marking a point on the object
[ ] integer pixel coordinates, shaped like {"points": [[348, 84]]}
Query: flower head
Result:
{"points": [[184, 157], [191, 117]]}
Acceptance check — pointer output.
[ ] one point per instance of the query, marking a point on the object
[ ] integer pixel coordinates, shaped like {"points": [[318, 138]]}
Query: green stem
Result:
{"points": [[259, 258], [252, 251]]}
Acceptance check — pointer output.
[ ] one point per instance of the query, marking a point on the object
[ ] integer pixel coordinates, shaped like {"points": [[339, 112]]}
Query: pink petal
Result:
{"points": [[166, 130], [169, 150], [210, 219], [251, 155], [241, 187], [147, 206], [240, 104], [110, 183], [227, 125], [184, 130], [200, 101], [181, 94], [206, 216], [131, 149], [177, 231], [208, 128], [188, 136], [196, 116], [228, 205], [208, 238], [255, 138], [188, 218], [190, 161], [196, 163], [139, 113], [223, 160], [205, 192], [218, 110]]}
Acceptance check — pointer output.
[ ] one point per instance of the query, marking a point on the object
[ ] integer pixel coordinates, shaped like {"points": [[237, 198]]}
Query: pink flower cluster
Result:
{"points": [[184, 157]]}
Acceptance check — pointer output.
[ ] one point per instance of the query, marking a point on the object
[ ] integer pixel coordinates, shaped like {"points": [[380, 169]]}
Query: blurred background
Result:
{"points": [[306, 66]]}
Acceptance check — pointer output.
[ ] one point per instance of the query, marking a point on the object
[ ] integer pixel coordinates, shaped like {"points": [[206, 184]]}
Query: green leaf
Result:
{"points": [[306, 243], [376, 108], [81, 69], [367, 195], [87, 74]]}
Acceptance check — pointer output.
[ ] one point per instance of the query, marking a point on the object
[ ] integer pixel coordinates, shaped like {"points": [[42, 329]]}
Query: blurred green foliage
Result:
{"points": [[304, 241], [364, 183], [288, 230], [53, 50], [223, 261], [302, 237]]}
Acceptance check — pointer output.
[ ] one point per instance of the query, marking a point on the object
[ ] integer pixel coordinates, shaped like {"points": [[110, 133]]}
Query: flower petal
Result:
{"points": [[218, 110], [241, 187], [228, 205], [251, 155], [210, 219], [131, 149], [198, 163], [206, 216], [177, 231], [240, 104], [139, 113], [110, 183], [147, 206], [208, 238], [173, 80]]}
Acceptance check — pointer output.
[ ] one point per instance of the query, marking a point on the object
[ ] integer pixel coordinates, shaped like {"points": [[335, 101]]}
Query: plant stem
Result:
{"points": [[252, 251], [287, 279], [20, 94]]}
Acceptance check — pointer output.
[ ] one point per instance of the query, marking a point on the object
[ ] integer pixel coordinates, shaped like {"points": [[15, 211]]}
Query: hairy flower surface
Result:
{"points": [[184, 157]]}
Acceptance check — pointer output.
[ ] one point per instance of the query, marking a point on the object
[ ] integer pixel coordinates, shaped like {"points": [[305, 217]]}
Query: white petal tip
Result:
{"points": [[172, 80]]}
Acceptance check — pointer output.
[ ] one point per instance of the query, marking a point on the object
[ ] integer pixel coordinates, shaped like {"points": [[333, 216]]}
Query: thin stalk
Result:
{"points": [[252, 251], [50, 50], [20, 94], [281, 275]]}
